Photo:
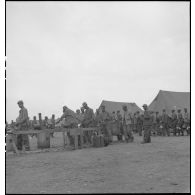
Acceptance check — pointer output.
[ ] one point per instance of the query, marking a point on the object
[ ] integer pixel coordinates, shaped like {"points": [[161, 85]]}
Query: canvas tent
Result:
{"points": [[114, 106], [170, 100]]}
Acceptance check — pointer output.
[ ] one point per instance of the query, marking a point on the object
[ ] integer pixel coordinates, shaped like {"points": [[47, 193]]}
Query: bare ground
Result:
{"points": [[162, 166]]}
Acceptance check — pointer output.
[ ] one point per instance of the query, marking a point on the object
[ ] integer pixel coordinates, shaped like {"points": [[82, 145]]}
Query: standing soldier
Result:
{"points": [[88, 118], [164, 119], [104, 118], [187, 121], [88, 121], [127, 122], [174, 121], [147, 124], [22, 122], [153, 122], [119, 125], [180, 122], [135, 122], [113, 116], [97, 117], [157, 122], [139, 123]]}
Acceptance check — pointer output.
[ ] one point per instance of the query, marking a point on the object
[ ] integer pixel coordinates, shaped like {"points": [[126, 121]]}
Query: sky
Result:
{"points": [[65, 53]]}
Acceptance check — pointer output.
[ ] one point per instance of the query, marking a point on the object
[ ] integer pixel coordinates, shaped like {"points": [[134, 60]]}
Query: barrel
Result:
{"points": [[43, 140]]}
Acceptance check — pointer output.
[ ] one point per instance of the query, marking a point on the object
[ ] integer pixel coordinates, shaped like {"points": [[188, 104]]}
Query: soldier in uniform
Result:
{"points": [[174, 121], [22, 122], [187, 121], [180, 122], [88, 121], [97, 117], [127, 125], [70, 121], [164, 119], [119, 125], [157, 122], [88, 118], [104, 118], [147, 124], [139, 123]]}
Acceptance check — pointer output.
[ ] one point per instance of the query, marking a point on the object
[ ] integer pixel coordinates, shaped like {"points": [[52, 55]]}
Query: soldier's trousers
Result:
{"points": [[127, 129], [139, 129], [165, 130], [147, 133]]}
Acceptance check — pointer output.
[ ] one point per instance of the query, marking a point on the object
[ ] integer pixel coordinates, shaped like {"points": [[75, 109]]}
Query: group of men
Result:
{"points": [[147, 122]]}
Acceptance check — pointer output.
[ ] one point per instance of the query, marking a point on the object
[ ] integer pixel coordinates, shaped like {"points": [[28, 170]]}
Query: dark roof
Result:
{"points": [[170, 100]]}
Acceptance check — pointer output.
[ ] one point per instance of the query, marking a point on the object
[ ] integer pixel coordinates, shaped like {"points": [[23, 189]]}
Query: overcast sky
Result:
{"points": [[64, 53]]}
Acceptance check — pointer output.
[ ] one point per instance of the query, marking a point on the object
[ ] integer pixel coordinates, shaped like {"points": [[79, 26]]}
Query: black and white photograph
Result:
{"points": [[98, 97]]}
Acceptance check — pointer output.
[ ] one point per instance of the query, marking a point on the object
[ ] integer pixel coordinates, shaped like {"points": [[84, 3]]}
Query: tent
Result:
{"points": [[170, 100], [114, 106]]}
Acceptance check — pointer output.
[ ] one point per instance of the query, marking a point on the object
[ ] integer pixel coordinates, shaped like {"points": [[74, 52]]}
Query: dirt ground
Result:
{"points": [[162, 166]]}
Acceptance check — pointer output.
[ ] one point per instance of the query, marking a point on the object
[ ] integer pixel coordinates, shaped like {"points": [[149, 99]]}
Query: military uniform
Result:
{"points": [[23, 121], [139, 124], [187, 122], [88, 118], [174, 122], [127, 126], [165, 129], [180, 122], [147, 125], [119, 126], [104, 118]]}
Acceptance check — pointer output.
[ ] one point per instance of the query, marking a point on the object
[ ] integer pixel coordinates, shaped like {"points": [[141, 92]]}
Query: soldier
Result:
{"points": [[174, 121], [153, 121], [97, 117], [79, 116], [88, 121], [104, 119], [157, 122], [187, 121], [147, 124], [88, 118], [165, 128], [113, 116], [22, 122], [180, 122], [69, 122], [119, 125], [127, 125], [139, 123]]}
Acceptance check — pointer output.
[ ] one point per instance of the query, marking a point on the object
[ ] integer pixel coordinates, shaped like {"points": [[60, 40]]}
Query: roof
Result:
{"points": [[170, 100], [111, 106]]}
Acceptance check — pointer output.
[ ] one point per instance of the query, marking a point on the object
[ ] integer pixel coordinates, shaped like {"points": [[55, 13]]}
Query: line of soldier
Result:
{"points": [[148, 122]]}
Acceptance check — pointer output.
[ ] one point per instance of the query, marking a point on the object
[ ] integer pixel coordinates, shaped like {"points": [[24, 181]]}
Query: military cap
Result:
{"points": [[145, 105], [20, 102], [178, 109], [84, 103], [157, 112], [173, 110], [103, 106], [164, 109], [137, 111], [124, 106]]}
